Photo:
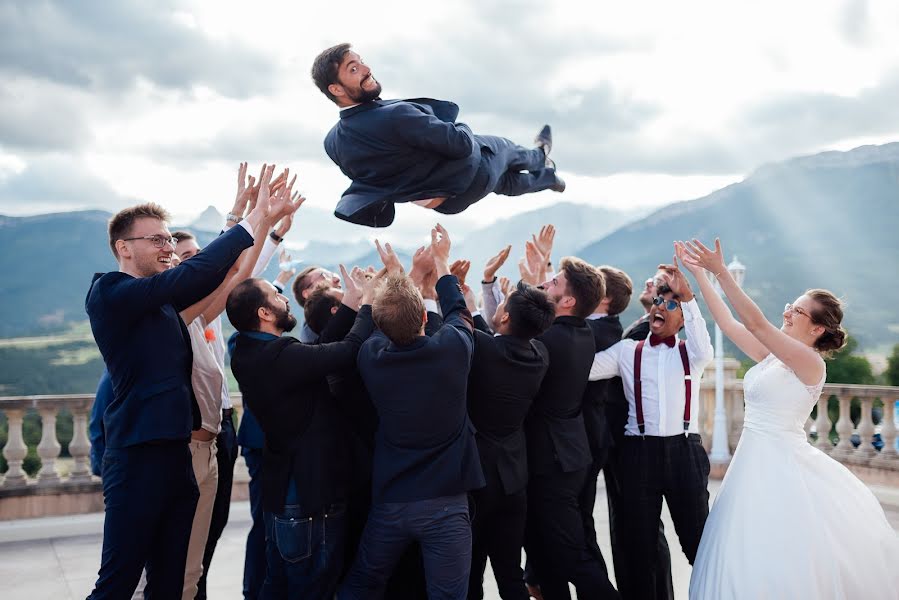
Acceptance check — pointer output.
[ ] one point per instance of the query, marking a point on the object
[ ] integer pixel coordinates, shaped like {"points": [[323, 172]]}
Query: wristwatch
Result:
{"points": [[233, 217], [278, 239]]}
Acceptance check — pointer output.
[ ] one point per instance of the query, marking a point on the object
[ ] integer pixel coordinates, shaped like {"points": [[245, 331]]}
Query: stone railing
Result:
{"points": [[878, 465]]}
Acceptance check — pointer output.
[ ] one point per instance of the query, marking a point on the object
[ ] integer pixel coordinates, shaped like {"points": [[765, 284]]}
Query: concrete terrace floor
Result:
{"points": [[57, 557]]}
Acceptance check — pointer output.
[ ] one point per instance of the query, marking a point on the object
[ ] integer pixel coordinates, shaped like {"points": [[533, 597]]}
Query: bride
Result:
{"points": [[788, 521]]}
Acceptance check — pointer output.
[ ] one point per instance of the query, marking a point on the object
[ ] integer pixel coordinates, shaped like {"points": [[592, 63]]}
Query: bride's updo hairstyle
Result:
{"points": [[829, 315]]}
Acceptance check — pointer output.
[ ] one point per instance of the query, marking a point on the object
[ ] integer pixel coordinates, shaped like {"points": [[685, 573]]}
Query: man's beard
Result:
{"points": [[365, 95], [284, 321]]}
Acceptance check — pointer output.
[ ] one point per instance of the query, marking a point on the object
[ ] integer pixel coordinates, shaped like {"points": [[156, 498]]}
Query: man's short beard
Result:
{"points": [[365, 95], [286, 321]]}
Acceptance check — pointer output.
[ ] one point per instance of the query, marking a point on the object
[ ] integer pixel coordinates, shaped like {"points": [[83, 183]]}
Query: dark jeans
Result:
{"points": [[226, 456], [664, 582], [442, 527], [497, 531], [254, 558], [587, 501], [150, 494], [555, 542], [304, 553], [507, 169], [675, 468]]}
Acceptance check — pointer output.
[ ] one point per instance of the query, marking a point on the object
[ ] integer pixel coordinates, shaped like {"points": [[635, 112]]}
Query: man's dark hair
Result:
{"points": [[182, 235], [243, 305], [317, 311], [584, 283], [663, 289], [325, 67], [120, 225], [531, 311], [301, 282], [619, 289]]}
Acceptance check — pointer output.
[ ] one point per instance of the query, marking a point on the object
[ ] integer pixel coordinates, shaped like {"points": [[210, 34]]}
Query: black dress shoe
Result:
{"points": [[544, 140], [559, 185]]}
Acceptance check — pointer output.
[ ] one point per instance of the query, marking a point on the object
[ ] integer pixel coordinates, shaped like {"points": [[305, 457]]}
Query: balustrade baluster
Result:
{"points": [[15, 450], [48, 449], [80, 446], [844, 448], [866, 429], [823, 425], [888, 454]]}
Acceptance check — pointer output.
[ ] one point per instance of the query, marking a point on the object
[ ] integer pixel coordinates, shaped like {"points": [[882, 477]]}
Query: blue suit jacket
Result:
{"points": [[146, 347], [425, 445], [399, 151]]}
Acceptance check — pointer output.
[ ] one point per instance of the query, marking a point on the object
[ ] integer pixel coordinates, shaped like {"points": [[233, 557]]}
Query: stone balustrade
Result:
{"points": [[878, 465]]}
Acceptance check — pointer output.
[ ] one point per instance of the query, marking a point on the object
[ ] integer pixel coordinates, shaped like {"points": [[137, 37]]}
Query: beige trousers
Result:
{"points": [[206, 471]]}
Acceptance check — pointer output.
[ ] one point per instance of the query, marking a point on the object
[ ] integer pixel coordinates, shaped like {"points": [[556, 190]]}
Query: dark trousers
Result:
{"points": [[506, 169], [587, 500], [675, 468], [497, 531], [664, 582], [304, 553], [254, 559], [150, 494], [442, 527], [226, 456], [554, 539]]}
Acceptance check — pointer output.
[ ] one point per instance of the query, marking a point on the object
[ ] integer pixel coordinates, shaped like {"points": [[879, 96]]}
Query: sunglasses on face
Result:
{"points": [[668, 304]]}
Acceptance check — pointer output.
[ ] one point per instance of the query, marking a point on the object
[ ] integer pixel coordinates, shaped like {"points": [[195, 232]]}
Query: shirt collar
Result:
{"points": [[259, 335], [595, 316]]}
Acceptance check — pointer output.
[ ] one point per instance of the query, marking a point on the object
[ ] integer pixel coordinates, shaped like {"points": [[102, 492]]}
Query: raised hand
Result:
{"points": [[422, 265], [389, 258], [676, 280], [282, 204], [352, 292], [370, 284], [536, 261], [260, 211], [544, 241], [440, 243], [710, 260], [471, 302], [495, 263], [460, 268], [505, 286], [680, 253], [244, 191], [527, 275]]}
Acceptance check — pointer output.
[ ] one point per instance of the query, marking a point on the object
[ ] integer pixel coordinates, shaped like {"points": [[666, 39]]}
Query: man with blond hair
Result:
{"points": [[426, 458]]}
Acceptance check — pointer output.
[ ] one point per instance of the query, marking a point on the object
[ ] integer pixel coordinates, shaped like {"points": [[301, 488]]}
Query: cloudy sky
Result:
{"points": [[107, 103]]}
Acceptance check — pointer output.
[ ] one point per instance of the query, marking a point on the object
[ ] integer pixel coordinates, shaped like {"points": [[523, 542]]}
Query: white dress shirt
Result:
{"points": [[662, 375]]}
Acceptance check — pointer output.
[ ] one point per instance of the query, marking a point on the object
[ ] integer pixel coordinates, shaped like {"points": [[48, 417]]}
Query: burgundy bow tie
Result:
{"points": [[655, 340]]}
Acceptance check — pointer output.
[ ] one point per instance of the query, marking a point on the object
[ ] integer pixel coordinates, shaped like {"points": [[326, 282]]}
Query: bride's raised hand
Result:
{"points": [[710, 260]]}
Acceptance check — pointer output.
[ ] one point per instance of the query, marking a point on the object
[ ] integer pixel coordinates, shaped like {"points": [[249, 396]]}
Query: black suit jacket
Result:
{"points": [[399, 151], [424, 446], [505, 376], [606, 332], [557, 439], [284, 382]]}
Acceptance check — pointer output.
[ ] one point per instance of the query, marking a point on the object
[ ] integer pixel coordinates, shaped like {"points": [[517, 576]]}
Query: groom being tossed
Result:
{"points": [[414, 151], [661, 453]]}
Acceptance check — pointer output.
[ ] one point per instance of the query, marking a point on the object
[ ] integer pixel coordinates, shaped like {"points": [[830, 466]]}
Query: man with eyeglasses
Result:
{"points": [[660, 454], [148, 484]]}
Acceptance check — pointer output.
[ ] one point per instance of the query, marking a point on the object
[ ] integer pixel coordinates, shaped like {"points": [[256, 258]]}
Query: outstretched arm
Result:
{"points": [[802, 359], [733, 329], [423, 130]]}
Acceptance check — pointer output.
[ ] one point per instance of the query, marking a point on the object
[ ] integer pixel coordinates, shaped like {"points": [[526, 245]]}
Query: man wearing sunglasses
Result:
{"points": [[149, 488], [660, 454]]}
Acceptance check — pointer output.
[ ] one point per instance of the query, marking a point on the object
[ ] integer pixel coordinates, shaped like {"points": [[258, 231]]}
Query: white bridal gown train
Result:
{"points": [[789, 521]]}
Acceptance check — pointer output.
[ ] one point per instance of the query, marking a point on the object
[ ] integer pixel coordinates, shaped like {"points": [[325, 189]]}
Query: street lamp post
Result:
{"points": [[720, 447]]}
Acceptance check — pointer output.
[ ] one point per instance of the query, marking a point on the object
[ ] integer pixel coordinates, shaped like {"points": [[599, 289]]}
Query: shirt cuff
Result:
{"points": [[475, 313], [431, 305], [246, 226], [691, 310], [278, 286]]}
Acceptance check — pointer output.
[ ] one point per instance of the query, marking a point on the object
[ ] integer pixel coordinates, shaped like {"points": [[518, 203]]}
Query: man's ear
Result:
{"points": [[264, 314], [122, 249], [337, 90]]}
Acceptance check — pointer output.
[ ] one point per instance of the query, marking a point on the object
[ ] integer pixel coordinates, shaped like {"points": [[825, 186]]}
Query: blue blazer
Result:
{"points": [[146, 347], [399, 151], [425, 445]]}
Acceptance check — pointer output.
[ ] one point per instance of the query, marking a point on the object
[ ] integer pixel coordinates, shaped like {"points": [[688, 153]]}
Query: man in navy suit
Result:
{"points": [[148, 483], [426, 457], [414, 151]]}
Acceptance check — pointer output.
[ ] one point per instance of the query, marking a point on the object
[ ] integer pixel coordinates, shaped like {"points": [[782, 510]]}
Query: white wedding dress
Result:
{"points": [[789, 521]]}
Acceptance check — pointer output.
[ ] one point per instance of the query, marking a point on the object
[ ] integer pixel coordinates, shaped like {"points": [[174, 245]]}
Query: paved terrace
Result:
{"points": [[57, 557]]}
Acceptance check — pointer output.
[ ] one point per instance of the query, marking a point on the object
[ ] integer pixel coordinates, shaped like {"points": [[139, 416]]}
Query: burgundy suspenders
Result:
{"points": [[638, 386]]}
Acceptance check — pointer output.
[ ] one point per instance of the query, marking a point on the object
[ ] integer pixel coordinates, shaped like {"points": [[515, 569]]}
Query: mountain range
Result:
{"points": [[827, 220]]}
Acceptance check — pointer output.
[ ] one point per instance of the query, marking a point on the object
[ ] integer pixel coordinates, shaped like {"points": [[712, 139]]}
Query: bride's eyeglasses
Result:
{"points": [[789, 308]]}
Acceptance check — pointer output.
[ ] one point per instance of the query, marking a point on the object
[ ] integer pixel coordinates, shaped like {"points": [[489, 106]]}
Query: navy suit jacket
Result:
{"points": [[425, 445], [145, 344], [399, 151]]}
